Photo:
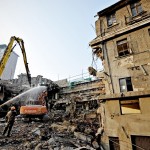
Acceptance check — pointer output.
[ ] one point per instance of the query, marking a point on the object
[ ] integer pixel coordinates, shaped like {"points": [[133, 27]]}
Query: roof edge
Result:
{"points": [[114, 7]]}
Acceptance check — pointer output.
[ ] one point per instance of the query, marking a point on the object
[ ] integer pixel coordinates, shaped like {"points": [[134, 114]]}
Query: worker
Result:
{"points": [[10, 119], [46, 100]]}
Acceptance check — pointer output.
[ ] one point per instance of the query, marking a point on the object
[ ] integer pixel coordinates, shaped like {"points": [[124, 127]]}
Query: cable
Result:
{"points": [[128, 143], [93, 60], [125, 142], [116, 142], [93, 29]]}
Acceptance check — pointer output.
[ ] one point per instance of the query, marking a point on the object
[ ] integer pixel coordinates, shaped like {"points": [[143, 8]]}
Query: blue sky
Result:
{"points": [[56, 34]]}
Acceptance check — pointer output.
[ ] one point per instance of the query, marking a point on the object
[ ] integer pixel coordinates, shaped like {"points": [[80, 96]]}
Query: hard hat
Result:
{"points": [[13, 108]]}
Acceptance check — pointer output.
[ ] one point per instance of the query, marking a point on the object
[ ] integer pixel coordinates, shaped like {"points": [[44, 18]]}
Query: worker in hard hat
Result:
{"points": [[10, 119]]}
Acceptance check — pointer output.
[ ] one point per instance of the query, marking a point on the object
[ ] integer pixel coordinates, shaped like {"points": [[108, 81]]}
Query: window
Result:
{"points": [[114, 143], [130, 106], [140, 142], [125, 84], [136, 8], [123, 47], [111, 19], [149, 32]]}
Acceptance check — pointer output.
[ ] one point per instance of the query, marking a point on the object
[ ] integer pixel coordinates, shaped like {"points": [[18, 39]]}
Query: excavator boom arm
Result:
{"points": [[7, 54]]}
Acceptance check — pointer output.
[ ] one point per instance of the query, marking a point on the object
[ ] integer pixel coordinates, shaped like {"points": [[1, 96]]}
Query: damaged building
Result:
{"points": [[80, 96], [14, 87], [73, 117], [123, 44], [22, 80], [109, 111]]}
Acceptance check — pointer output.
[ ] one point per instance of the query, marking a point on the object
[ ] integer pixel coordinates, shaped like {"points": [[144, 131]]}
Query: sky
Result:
{"points": [[56, 34]]}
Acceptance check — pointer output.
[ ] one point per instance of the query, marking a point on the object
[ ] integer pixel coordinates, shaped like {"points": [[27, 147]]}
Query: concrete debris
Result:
{"points": [[71, 124], [72, 134], [38, 147], [82, 137], [36, 131], [92, 71]]}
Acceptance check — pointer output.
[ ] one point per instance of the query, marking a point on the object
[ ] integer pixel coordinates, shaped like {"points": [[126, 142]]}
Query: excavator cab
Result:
{"points": [[33, 109]]}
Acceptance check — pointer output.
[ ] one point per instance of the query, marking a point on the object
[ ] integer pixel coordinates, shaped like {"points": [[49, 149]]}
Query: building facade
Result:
{"points": [[22, 80], [123, 44], [10, 67]]}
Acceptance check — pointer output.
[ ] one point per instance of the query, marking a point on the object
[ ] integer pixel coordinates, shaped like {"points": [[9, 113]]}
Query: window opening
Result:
{"points": [[140, 141], [136, 8], [149, 31], [123, 47], [111, 19], [130, 106], [125, 84], [114, 143]]}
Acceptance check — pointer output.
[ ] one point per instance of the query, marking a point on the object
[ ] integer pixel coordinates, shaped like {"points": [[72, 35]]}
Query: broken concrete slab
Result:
{"points": [[83, 137]]}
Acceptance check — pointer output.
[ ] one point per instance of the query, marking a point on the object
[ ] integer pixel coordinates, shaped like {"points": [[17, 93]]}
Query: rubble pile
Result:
{"points": [[52, 135], [65, 125]]}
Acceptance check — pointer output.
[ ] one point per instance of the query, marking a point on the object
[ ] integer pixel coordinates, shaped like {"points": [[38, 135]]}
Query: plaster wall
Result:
{"points": [[122, 15], [130, 66], [123, 126]]}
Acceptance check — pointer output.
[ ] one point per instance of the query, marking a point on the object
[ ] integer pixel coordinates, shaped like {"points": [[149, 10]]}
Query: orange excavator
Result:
{"points": [[35, 108]]}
